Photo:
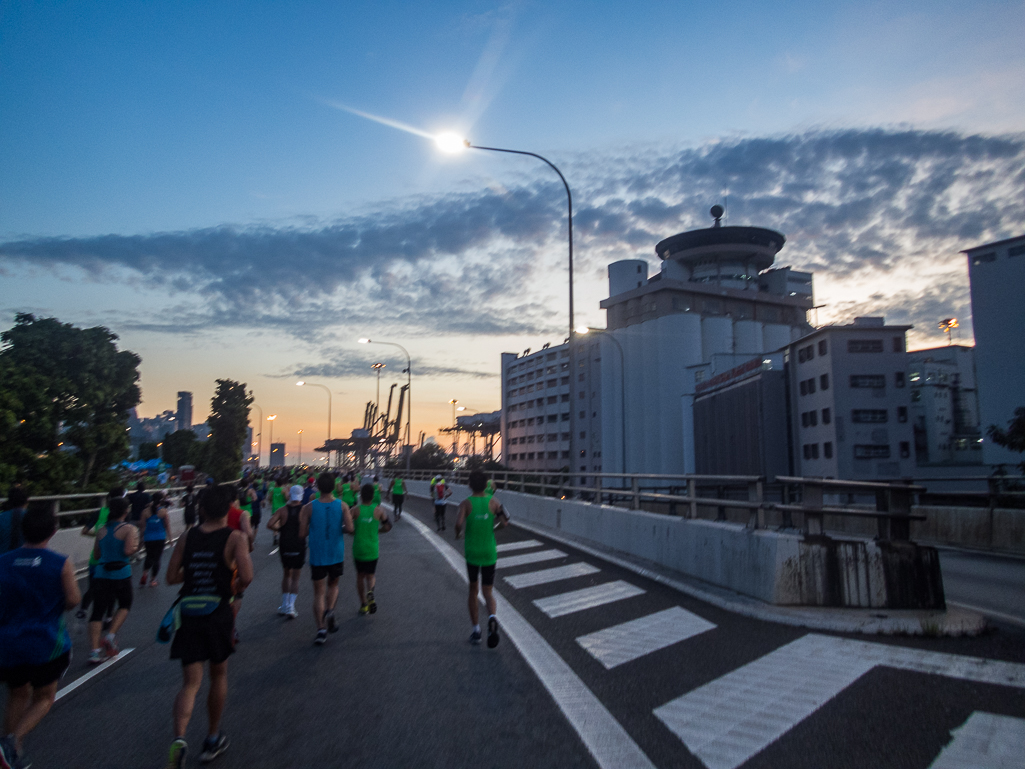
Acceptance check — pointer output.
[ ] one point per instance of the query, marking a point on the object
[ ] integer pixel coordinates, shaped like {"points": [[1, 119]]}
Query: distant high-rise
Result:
{"points": [[183, 419], [277, 455]]}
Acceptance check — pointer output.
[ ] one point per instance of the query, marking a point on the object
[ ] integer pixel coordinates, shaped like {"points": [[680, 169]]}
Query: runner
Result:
{"points": [[139, 500], [116, 542], [377, 491], [285, 521], [155, 528], [370, 520], [38, 586], [189, 506], [89, 530], [203, 562], [398, 496], [324, 520], [10, 519], [309, 490], [478, 513], [440, 492], [348, 492], [278, 499]]}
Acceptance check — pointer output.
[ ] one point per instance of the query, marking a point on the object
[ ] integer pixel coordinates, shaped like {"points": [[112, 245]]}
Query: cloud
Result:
{"points": [[857, 206]]}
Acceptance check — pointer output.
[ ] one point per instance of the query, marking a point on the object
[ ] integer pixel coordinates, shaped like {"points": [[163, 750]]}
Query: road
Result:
{"points": [[597, 667], [991, 584]]}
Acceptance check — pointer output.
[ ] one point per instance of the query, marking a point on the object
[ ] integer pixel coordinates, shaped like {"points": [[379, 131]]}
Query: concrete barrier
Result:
{"points": [[778, 567]]}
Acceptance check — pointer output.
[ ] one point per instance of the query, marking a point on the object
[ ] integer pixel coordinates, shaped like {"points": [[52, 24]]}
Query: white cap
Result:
{"points": [[295, 494]]}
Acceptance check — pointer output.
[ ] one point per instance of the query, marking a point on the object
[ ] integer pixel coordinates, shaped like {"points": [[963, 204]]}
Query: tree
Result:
{"points": [[69, 391], [148, 450], [430, 456], [1013, 438], [229, 418], [178, 448]]}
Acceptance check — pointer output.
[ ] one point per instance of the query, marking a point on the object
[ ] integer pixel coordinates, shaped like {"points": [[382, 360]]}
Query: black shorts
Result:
{"points": [[205, 639], [366, 567], [487, 573], [398, 499], [37, 675], [293, 560], [333, 570], [107, 593]]}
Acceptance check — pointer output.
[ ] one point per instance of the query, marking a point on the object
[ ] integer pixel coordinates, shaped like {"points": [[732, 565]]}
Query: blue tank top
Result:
{"points": [[327, 546], [112, 551], [32, 630], [154, 529]]}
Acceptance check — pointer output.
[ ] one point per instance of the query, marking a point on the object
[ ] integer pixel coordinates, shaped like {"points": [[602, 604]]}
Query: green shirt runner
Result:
{"points": [[479, 544], [365, 541], [398, 487]]}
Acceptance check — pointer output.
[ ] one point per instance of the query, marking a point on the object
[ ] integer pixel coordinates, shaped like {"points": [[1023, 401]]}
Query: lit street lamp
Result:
{"points": [[271, 419], [300, 447], [259, 436], [377, 367], [302, 382], [409, 392]]}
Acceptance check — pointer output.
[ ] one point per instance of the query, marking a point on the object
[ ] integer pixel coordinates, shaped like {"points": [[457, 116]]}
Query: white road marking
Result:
{"points": [[985, 741], [522, 560], [1014, 620], [623, 643], [727, 721], [521, 545], [587, 598], [602, 735], [544, 576], [92, 673]]}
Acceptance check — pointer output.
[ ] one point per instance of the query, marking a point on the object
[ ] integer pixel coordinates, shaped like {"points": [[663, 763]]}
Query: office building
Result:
{"points": [[535, 418], [277, 455], [996, 272], [944, 406], [183, 415]]}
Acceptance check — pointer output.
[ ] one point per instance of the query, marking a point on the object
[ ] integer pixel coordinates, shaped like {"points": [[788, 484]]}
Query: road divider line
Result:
{"points": [[93, 673], [603, 736]]}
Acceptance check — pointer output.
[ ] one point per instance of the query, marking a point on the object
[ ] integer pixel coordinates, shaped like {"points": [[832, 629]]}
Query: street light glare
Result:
{"points": [[450, 142], [363, 341], [300, 383], [582, 329]]}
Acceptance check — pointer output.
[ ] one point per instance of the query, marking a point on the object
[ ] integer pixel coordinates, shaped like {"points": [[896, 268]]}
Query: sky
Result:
{"points": [[242, 190]]}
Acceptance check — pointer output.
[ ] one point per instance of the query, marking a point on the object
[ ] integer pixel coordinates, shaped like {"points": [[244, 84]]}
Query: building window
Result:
{"points": [[530, 439], [815, 451], [898, 379], [564, 437], [553, 454], [552, 399], [564, 380], [898, 344], [869, 416], [553, 417], [552, 382], [905, 449], [916, 396], [811, 385], [871, 451], [583, 414], [824, 381], [823, 347], [873, 381], [803, 385], [552, 438], [813, 417], [864, 345], [564, 398], [827, 450], [902, 413], [565, 417], [530, 455], [827, 416], [581, 377], [583, 453], [582, 395], [1016, 251], [804, 419], [565, 455], [583, 434], [983, 258]]}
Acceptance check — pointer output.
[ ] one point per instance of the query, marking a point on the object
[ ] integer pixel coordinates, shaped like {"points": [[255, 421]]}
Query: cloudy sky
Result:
{"points": [[207, 178]]}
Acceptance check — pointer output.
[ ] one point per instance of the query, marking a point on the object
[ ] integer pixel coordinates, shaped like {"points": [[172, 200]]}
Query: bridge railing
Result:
{"points": [[748, 499]]}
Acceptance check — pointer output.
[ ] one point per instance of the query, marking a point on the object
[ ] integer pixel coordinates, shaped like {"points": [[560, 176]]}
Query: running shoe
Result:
{"points": [[364, 610], [291, 613], [371, 603], [96, 657], [176, 756], [475, 637], [213, 747], [321, 638], [492, 633], [282, 610], [110, 647], [329, 618], [155, 583], [143, 579], [8, 753]]}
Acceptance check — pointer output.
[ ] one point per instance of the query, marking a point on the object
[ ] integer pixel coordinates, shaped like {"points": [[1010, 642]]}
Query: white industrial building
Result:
{"points": [[944, 406], [996, 272]]}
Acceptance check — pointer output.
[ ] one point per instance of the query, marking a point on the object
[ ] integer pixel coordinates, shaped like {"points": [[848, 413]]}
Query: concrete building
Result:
{"points": [[535, 416], [183, 415], [850, 403], [944, 406], [277, 455], [996, 272]]}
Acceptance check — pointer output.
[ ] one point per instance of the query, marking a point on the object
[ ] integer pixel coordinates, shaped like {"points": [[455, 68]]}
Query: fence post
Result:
{"points": [[635, 486], [597, 489], [692, 493], [811, 501], [720, 493], [755, 493]]}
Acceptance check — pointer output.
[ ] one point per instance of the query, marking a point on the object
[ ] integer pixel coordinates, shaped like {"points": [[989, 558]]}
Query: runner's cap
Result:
{"points": [[295, 494]]}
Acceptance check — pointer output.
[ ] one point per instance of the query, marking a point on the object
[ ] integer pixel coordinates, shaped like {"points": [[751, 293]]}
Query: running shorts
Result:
{"points": [[487, 573], [205, 639], [293, 560], [37, 675], [333, 570], [107, 593], [366, 567]]}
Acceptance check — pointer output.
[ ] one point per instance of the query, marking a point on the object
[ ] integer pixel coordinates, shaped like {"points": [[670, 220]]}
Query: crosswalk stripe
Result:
{"points": [[532, 578], [623, 643], [587, 598], [521, 545], [522, 560], [985, 741], [727, 721]]}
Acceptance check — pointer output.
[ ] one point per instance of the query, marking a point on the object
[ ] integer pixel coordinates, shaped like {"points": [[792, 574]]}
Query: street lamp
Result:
{"points": [[377, 367], [259, 437], [455, 433], [409, 392], [303, 382], [622, 389], [300, 447], [270, 452]]}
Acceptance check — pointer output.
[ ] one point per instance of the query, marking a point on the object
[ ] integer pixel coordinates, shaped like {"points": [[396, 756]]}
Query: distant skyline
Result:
{"points": [[184, 174]]}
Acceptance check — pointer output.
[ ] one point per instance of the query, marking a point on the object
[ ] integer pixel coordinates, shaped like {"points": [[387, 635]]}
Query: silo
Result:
{"points": [[775, 336], [682, 334], [626, 275], [716, 336], [747, 337]]}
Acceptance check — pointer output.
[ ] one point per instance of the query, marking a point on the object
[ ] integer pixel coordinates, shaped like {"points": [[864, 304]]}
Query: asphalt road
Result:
{"points": [[404, 688], [992, 584]]}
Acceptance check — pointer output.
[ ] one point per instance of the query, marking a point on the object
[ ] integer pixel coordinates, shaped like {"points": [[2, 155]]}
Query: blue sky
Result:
{"points": [[183, 172]]}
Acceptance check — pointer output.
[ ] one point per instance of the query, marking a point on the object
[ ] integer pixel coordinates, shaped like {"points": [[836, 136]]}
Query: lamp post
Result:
{"points": [[455, 433], [303, 382], [270, 452], [409, 392], [259, 437], [377, 367], [300, 447], [622, 390]]}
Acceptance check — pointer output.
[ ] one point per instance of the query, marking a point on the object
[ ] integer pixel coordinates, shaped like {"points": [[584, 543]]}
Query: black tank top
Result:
{"points": [[206, 573], [289, 540]]}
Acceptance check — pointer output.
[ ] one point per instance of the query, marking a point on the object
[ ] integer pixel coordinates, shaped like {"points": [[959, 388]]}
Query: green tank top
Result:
{"points": [[364, 543], [348, 496], [398, 487], [101, 521], [489, 490], [277, 497], [479, 543]]}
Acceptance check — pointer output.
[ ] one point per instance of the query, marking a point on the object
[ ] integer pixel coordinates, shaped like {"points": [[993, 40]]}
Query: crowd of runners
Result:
{"points": [[309, 518]]}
